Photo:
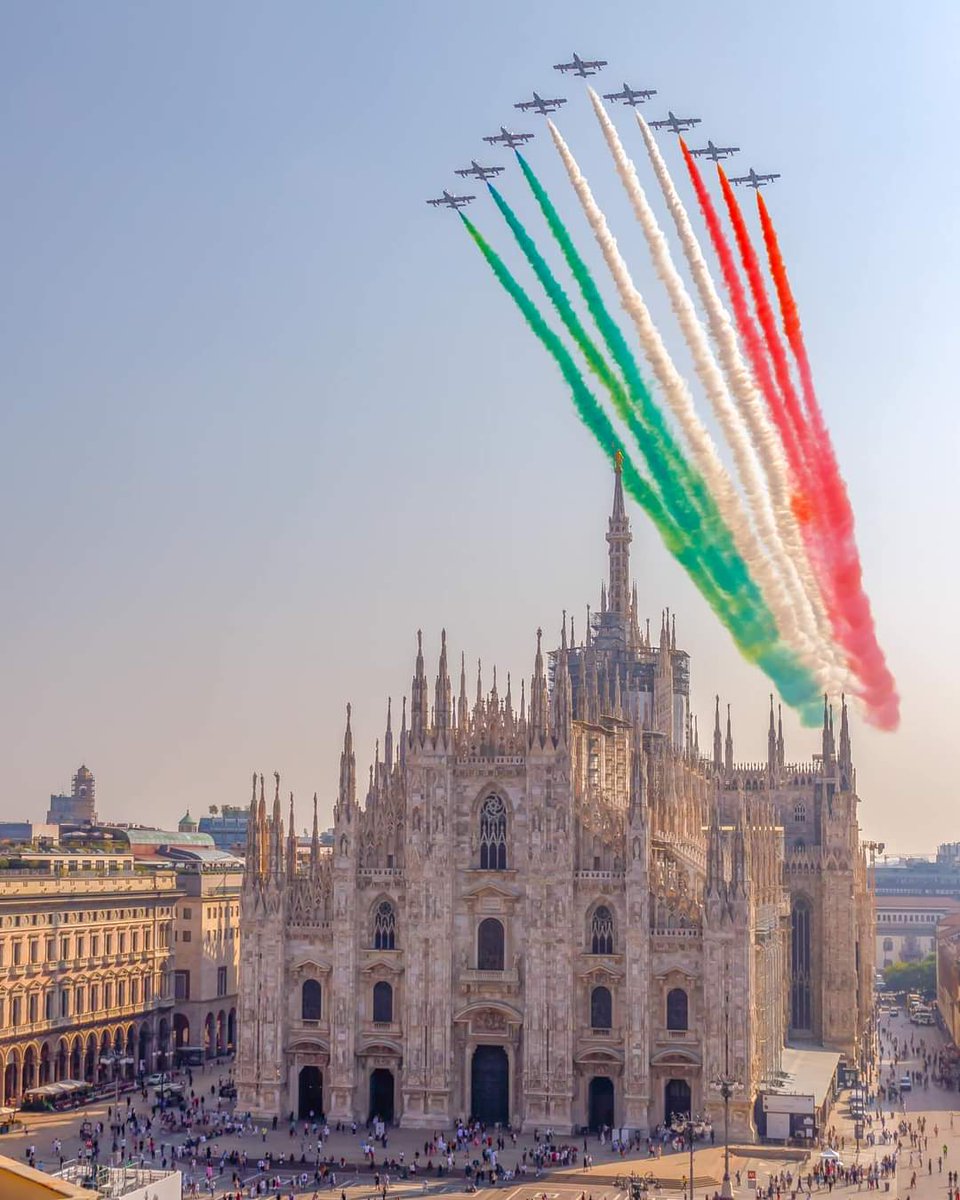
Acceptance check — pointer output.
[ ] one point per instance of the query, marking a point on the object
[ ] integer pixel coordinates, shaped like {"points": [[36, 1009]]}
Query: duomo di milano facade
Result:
{"points": [[558, 913]]}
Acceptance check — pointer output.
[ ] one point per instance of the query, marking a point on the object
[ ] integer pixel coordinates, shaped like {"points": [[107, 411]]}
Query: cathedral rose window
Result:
{"points": [[493, 835]]}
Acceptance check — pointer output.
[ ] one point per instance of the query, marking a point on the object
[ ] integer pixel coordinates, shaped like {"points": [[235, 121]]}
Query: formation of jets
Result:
{"points": [[752, 179], [542, 106], [630, 95], [585, 67], [715, 152]]}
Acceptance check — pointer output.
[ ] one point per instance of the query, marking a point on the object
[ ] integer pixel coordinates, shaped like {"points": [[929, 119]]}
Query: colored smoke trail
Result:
{"points": [[791, 678], [689, 498], [880, 685], [781, 368], [788, 547], [788, 609], [648, 410], [663, 454], [752, 340], [675, 389]]}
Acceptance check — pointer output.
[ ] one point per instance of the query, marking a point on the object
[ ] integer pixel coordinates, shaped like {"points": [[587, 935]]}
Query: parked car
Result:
{"points": [[906, 1083], [157, 1078], [228, 1091]]}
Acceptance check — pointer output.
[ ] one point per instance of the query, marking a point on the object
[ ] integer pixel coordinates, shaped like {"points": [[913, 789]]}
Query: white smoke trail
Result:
{"points": [[788, 603], [672, 383], [763, 435]]}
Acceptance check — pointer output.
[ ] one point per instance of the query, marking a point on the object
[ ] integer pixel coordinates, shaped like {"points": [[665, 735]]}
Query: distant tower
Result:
{"points": [[79, 808], [187, 824]]}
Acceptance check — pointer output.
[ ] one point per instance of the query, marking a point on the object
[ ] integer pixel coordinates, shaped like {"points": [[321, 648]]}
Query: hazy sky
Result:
{"points": [[264, 413]]}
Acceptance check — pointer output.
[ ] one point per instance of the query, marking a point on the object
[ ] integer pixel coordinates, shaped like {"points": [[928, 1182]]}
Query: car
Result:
{"points": [[906, 1083], [157, 1078], [228, 1091]]}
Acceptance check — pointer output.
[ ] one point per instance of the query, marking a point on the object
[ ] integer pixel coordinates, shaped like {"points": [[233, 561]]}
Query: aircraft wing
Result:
{"points": [[564, 66], [596, 64], [525, 104]]}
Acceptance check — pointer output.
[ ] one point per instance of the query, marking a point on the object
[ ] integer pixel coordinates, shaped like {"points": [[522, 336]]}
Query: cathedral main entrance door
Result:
{"points": [[490, 1085], [381, 1095], [311, 1092], [676, 1100], [601, 1103]]}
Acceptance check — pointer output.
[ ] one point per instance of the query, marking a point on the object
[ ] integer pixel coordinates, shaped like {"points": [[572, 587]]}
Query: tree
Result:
{"points": [[913, 977], [213, 810]]}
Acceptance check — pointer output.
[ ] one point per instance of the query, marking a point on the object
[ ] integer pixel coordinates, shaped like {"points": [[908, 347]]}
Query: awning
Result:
{"points": [[810, 1071]]}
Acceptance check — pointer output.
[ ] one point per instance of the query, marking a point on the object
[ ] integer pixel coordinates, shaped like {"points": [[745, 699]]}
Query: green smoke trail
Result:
{"points": [[793, 680], [589, 410], [725, 560]]}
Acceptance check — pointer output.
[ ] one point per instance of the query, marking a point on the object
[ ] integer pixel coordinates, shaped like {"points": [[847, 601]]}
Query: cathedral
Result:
{"points": [[557, 912]]}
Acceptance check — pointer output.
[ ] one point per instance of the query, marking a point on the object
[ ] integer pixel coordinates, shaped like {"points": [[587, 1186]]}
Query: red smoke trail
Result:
{"points": [[753, 343], [861, 641], [804, 499], [781, 367]]}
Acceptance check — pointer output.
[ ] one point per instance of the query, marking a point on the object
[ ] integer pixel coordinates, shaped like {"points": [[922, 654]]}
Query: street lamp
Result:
{"points": [[726, 1085], [116, 1060]]}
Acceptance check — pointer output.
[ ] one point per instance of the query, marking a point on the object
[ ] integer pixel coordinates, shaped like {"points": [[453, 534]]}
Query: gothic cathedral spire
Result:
{"points": [[619, 538]]}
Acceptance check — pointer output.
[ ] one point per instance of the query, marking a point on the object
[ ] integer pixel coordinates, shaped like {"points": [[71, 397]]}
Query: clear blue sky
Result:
{"points": [[264, 413]]}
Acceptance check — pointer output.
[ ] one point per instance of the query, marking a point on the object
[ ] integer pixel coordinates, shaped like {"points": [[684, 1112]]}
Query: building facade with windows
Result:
{"points": [[907, 926], [85, 969], [206, 950], [558, 912]]}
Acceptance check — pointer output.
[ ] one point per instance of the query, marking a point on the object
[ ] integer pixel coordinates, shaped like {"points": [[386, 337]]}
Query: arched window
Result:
{"points": [[493, 835], [601, 931], [677, 1009], [888, 943], [382, 1001], [310, 998], [601, 1008], [490, 945], [384, 927], [801, 1016], [799, 811]]}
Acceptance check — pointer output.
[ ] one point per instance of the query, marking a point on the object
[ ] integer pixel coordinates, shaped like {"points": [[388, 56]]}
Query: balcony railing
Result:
{"points": [[475, 975]]}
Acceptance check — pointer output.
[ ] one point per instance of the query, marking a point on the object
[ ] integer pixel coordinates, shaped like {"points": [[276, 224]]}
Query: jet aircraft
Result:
{"points": [[581, 67], [677, 124], [506, 138], [630, 95], [454, 202], [542, 106], [715, 152], [478, 172], [753, 179]]}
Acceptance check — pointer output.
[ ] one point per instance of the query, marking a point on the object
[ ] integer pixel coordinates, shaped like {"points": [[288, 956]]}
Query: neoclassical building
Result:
{"points": [[86, 951], [558, 911]]}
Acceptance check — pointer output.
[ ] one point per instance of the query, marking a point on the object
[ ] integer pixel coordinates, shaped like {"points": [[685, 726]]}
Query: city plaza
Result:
{"points": [[606, 1179]]}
